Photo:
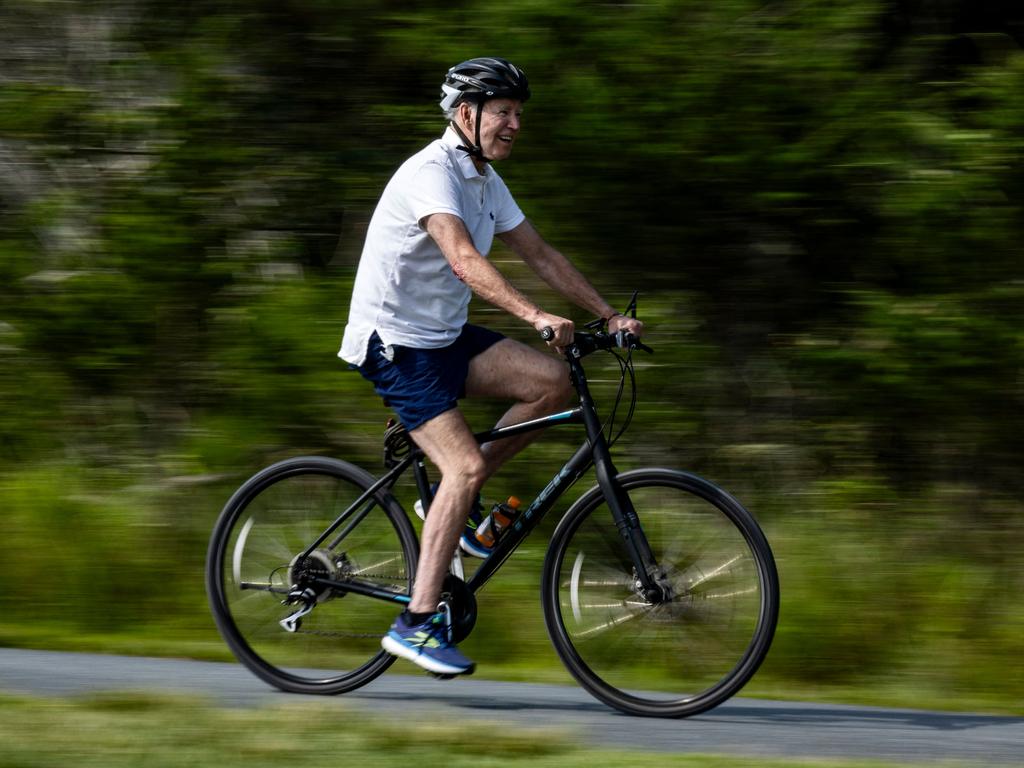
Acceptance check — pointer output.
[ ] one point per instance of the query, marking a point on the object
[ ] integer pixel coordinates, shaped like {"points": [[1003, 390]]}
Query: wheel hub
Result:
{"points": [[658, 593]]}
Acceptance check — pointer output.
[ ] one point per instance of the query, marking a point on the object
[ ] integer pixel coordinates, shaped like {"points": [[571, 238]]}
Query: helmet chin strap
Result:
{"points": [[474, 149]]}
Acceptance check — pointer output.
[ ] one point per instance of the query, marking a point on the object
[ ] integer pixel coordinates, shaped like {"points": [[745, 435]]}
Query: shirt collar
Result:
{"points": [[469, 171]]}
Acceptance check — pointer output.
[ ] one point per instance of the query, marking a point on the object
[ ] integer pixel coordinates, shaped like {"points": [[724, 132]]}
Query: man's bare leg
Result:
{"points": [[507, 370], [450, 445], [537, 381]]}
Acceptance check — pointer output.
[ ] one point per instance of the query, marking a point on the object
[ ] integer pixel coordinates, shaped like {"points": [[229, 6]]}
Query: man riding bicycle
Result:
{"points": [[425, 254]]}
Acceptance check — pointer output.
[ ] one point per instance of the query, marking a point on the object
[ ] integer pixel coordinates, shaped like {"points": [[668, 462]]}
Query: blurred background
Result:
{"points": [[820, 203]]}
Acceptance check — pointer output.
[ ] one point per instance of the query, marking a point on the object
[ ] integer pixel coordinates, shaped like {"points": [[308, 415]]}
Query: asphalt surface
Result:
{"points": [[739, 727]]}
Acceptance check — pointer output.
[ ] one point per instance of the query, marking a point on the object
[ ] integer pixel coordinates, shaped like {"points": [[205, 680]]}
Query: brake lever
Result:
{"points": [[627, 340]]}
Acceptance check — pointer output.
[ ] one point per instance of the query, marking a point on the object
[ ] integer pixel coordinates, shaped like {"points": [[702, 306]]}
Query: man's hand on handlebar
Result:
{"points": [[627, 340], [585, 343], [631, 325], [623, 330], [562, 330]]}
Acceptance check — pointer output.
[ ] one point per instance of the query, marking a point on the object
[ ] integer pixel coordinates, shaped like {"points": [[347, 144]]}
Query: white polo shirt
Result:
{"points": [[404, 288]]}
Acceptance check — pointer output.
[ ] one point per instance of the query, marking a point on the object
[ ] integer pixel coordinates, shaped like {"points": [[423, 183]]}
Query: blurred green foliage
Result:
{"points": [[820, 202]]}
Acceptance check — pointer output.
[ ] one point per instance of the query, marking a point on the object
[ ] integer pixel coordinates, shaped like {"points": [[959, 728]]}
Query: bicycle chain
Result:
{"points": [[385, 577], [382, 577], [367, 635], [322, 633]]}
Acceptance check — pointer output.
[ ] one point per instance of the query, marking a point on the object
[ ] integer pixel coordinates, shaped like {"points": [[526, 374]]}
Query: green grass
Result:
{"points": [[879, 607], [113, 731]]}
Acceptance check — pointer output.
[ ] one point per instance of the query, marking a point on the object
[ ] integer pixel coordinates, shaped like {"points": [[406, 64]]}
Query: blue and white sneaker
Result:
{"points": [[427, 645], [469, 543]]}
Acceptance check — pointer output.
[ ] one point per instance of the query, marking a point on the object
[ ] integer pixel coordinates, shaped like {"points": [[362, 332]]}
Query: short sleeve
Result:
{"points": [[433, 190], [507, 214]]}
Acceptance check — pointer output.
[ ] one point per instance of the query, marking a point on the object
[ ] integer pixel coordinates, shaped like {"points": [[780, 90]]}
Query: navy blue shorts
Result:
{"points": [[419, 384]]}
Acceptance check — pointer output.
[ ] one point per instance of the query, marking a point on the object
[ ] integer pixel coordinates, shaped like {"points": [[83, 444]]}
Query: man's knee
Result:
{"points": [[448, 442], [469, 471], [557, 386], [475, 471]]}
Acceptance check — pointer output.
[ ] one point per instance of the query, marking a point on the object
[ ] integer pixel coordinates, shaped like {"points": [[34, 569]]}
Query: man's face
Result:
{"points": [[499, 126]]}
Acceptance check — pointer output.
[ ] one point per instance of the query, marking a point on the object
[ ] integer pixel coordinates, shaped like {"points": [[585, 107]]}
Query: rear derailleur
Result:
{"points": [[301, 572], [307, 597]]}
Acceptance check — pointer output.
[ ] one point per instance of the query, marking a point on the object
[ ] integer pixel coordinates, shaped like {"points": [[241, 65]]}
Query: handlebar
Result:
{"points": [[585, 343]]}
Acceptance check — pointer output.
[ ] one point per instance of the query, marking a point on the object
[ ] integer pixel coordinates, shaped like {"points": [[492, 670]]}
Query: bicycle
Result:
{"points": [[659, 590]]}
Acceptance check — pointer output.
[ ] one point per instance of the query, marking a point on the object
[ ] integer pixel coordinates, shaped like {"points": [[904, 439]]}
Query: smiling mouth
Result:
{"points": [[506, 139]]}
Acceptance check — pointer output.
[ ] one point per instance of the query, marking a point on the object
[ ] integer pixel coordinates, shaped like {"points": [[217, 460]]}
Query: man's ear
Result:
{"points": [[467, 113]]}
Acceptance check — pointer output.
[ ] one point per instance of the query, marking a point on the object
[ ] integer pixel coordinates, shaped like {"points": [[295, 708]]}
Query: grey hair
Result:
{"points": [[452, 113]]}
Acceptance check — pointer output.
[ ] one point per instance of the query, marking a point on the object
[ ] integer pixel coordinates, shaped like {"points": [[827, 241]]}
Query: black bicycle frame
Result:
{"points": [[594, 451]]}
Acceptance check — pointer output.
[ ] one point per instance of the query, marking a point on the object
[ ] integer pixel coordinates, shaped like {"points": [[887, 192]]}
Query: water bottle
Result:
{"points": [[502, 516]]}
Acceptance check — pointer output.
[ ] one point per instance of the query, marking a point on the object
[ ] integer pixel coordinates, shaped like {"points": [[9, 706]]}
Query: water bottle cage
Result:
{"points": [[501, 518]]}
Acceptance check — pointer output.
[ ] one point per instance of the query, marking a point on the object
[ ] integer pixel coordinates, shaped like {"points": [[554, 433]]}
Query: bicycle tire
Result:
{"points": [[680, 657], [252, 560]]}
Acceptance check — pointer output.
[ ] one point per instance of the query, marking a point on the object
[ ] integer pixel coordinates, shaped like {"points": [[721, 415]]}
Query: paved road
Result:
{"points": [[739, 727]]}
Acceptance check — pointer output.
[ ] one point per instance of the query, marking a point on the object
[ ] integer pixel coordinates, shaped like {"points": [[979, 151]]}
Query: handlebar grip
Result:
{"points": [[548, 333]]}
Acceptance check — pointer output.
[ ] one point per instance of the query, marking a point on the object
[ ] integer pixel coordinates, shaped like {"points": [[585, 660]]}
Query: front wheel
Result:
{"points": [[694, 647], [258, 575]]}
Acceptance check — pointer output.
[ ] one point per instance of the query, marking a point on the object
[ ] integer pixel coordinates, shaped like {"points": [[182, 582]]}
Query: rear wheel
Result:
{"points": [[689, 650], [255, 561]]}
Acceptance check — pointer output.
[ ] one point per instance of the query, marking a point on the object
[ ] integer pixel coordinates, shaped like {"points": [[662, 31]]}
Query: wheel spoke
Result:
{"points": [[712, 573], [621, 619]]}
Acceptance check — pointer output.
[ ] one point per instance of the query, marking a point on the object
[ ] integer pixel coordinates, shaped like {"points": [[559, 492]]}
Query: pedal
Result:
{"points": [[439, 676]]}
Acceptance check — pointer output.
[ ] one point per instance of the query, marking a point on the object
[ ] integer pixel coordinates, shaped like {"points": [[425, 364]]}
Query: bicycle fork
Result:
{"points": [[650, 581]]}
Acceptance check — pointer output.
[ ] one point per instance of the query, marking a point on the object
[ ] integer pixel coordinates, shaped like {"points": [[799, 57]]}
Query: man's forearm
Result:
{"points": [[560, 273], [484, 279], [469, 266]]}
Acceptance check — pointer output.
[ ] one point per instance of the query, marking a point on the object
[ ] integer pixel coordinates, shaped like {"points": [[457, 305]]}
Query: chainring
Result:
{"points": [[462, 603]]}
